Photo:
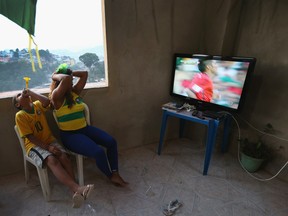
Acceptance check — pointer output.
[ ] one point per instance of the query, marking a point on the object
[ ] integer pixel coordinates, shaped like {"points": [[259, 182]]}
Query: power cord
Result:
{"points": [[238, 154]]}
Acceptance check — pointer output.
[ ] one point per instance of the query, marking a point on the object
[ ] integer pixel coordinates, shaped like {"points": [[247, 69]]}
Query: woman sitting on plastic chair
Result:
{"points": [[75, 133], [40, 144]]}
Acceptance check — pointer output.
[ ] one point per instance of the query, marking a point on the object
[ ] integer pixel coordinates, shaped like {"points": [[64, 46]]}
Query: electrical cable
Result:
{"points": [[238, 153], [262, 132]]}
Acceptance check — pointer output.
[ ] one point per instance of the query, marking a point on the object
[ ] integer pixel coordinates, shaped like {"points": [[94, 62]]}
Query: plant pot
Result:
{"points": [[249, 163]]}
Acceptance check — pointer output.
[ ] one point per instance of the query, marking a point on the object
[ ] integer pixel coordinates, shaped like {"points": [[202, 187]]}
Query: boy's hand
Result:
{"points": [[54, 150]]}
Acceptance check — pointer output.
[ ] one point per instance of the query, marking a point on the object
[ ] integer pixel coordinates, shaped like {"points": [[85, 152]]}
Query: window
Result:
{"points": [[66, 31]]}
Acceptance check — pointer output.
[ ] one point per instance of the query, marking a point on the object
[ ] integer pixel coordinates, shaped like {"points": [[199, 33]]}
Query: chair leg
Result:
{"points": [[79, 160], [48, 191], [44, 181], [26, 170]]}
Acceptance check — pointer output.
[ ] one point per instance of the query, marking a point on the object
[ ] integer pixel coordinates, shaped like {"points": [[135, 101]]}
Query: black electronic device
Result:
{"points": [[197, 114], [213, 114], [223, 91], [208, 114]]}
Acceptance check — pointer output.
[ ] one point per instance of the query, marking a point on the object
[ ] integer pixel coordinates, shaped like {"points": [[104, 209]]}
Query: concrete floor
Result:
{"points": [[155, 180]]}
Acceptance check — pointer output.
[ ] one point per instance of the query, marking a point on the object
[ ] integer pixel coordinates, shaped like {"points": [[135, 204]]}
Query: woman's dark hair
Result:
{"points": [[69, 99], [69, 71]]}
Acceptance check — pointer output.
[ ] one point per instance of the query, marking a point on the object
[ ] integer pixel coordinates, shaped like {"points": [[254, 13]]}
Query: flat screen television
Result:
{"points": [[211, 82]]}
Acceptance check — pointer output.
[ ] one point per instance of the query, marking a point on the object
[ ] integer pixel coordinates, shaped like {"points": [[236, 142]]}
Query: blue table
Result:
{"points": [[212, 125]]}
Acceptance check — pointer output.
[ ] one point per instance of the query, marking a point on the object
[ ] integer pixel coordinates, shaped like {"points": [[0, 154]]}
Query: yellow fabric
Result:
{"points": [[35, 124], [30, 54], [37, 54], [74, 117]]}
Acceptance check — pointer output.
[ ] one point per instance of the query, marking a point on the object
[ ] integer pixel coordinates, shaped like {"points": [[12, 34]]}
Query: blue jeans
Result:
{"points": [[89, 141]]}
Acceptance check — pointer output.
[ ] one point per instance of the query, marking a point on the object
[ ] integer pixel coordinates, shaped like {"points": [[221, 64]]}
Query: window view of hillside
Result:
{"points": [[60, 39], [16, 64]]}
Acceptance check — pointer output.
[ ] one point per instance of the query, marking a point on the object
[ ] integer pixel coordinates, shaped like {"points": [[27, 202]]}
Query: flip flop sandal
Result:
{"points": [[78, 200], [86, 192], [172, 207], [167, 212]]}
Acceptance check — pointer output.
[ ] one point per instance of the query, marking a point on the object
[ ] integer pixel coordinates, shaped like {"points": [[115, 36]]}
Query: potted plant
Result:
{"points": [[254, 153]]}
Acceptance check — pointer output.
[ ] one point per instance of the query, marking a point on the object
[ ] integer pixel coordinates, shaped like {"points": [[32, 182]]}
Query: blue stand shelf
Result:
{"points": [[212, 125]]}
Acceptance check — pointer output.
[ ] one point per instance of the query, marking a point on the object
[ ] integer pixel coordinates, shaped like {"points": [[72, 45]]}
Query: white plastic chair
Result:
{"points": [[79, 157], [42, 172]]}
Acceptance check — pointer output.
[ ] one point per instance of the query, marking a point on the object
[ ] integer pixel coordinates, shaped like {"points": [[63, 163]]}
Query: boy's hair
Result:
{"points": [[202, 63], [14, 102], [202, 66]]}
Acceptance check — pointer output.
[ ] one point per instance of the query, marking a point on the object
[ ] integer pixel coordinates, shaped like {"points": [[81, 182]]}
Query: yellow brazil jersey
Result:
{"points": [[71, 118], [34, 123]]}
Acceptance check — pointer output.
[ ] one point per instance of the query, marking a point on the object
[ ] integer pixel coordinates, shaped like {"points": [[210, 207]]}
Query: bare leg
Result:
{"points": [[61, 174], [80, 193], [67, 165]]}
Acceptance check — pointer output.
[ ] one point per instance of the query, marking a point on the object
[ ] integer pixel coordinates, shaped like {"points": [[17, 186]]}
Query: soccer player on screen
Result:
{"points": [[201, 86]]}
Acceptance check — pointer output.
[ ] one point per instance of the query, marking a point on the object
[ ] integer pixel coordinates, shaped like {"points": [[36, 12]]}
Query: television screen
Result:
{"points": [[211, 82]]}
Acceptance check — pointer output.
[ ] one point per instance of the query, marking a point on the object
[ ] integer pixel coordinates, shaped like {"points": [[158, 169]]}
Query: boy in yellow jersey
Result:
{"points": [[41, 145]]}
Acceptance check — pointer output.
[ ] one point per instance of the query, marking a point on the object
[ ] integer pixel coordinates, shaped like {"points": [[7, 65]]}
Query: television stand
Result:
{"points": [[212, 126]]}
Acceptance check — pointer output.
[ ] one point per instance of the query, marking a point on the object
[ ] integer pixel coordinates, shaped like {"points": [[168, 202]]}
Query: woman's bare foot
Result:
{"points": [[117, 180]]}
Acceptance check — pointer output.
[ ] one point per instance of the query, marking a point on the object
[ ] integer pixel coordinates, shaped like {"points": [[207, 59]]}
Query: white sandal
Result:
{"points": [[78, 200], [86, 192]]}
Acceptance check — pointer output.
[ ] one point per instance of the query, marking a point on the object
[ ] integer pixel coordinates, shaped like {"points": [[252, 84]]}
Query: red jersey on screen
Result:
{"points": [[201, 85]]}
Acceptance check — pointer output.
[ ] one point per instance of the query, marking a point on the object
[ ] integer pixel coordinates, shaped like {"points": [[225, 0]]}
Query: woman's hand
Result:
{"points": [[80, 84], [59, 77]]}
